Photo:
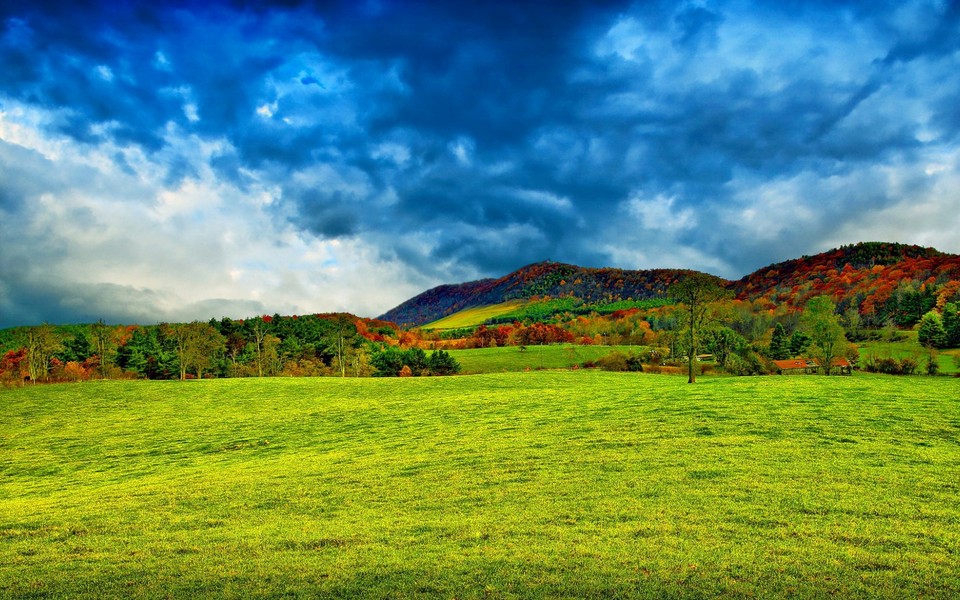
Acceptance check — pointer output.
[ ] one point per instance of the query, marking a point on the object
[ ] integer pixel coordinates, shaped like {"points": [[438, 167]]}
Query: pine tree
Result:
{"points": [[779, 343], [932, 333]]}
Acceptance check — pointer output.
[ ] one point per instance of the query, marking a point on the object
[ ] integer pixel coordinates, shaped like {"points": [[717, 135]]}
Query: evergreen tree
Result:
{"points": [[779, 343], [76, 349], [932, 333], [951, 323], [798, 343], [441, 363]]}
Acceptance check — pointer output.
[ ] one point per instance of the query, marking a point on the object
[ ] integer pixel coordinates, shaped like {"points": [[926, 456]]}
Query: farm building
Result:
{"points": [[811, 365]]}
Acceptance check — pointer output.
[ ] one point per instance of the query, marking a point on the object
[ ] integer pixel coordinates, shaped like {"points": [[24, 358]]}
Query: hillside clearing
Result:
{"points": [[471, 317], [546, 484]]}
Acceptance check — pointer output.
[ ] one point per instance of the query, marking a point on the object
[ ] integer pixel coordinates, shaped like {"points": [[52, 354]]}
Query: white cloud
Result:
{"points": [[927, 215], [661, 213], [545, 199], [462, 149], [398, 153], [203, 244], [104, 72]]}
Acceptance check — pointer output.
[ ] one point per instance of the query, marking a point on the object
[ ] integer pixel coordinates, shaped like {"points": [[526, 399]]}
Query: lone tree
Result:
{"points": [[822, 324], [695, 293]]}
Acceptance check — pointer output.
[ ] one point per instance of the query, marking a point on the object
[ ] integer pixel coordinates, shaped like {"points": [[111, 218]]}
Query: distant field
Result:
{"points": [[511, 358], [576, 484], [909, 347], [472, 317]]}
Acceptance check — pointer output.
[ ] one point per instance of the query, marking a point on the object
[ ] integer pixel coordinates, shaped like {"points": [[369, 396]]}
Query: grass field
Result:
{"points": [[949, 360], [544, 484], [510, 358]]}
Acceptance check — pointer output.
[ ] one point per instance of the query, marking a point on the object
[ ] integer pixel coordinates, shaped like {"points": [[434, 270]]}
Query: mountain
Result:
{"points": [[884, 281], [539, 279]]}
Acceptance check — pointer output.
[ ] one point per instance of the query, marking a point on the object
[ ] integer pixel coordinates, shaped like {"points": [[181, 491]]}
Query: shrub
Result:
{"points": [[749, 363], [889, 365], [908, 365], [619, 361], [933, 365]]}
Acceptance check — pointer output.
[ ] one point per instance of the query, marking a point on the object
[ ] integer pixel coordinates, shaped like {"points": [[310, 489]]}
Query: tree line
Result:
{"points": [[312, 345], [696, 321]]}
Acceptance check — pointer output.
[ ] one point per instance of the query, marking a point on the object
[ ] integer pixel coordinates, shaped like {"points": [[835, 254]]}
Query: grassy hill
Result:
{"points": [[547, 484]]}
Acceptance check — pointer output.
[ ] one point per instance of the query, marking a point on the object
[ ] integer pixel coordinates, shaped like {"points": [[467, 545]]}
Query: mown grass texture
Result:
{"points": [[544, 484]]}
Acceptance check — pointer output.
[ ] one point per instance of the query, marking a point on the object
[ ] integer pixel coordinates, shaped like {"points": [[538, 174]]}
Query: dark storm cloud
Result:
{"points": [[475, 137]]}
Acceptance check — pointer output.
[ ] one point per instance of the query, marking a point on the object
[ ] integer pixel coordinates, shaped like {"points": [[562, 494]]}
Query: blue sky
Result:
{"points": [[175, 161]]}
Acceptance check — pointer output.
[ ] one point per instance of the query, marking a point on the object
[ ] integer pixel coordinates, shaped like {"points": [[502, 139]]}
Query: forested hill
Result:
{"points": [[884, 281], [540, 279]]}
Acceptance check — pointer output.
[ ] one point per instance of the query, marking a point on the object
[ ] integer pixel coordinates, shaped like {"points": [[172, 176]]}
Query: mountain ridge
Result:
{"points": [[862, 274]]}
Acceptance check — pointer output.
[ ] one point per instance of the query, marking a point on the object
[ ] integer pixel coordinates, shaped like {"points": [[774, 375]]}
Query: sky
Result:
{"points": [[171, 161]]}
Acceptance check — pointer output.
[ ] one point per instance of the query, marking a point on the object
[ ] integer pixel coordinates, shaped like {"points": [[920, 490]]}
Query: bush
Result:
{"points": [[933, 365], [889, 365], [621, 362], [749, 363], [908, 365]]}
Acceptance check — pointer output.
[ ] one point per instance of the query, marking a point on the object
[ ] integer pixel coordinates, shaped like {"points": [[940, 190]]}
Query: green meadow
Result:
{"points": [[949, 360], [578, 484], [551, 356]]}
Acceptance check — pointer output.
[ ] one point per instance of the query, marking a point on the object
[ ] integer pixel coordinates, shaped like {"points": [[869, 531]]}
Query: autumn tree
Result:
{"points": [[820, 322], [695, 294]]}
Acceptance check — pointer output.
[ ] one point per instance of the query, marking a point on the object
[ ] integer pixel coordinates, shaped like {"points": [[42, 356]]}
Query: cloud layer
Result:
{"points": [[173, 161]]}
